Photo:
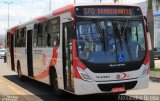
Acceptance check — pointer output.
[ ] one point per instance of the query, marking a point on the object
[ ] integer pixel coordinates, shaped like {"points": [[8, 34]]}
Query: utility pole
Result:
{"points": [[50, 5], [8, 3], [74, 1]]}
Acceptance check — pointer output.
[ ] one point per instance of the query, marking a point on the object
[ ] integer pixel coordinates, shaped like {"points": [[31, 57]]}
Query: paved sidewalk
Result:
{"points": [[11, 92]]}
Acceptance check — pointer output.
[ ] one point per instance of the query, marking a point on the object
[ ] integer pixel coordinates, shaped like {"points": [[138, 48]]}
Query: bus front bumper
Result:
{"points": [[84, 87]]}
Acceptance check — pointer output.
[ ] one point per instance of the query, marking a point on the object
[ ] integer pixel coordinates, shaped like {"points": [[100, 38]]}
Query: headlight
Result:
{"points": [[145, 70], [84, 75]]}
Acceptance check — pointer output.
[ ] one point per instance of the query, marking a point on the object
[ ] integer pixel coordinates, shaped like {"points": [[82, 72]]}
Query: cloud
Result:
{"points": [[25, 10]]}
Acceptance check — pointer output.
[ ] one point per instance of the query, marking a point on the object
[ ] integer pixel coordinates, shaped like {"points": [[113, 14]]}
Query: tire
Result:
{"points": [[5, 60], [54, 84], [20, 77]]}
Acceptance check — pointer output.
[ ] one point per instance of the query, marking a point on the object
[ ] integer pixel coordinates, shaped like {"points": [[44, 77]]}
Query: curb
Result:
{"points": [[153, 79], [155, 74]]}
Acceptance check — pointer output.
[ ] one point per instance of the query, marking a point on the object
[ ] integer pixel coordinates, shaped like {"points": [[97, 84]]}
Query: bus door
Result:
{"points": [[8, 49], [67, 56], [29, 52], [11, 49]]}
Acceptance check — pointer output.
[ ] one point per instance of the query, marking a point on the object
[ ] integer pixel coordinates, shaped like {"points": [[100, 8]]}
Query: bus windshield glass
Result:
{"points": [[110, 40]]}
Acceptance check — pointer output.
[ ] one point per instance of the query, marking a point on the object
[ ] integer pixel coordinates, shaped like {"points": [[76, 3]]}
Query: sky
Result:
{"points": [[21, 11]]}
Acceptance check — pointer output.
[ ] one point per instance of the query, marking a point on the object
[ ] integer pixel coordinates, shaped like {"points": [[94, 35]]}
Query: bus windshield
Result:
{"points": [[110, 40]]}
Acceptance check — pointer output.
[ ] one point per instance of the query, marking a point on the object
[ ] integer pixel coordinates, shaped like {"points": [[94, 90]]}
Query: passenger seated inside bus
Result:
{"points": [[82, 43]]}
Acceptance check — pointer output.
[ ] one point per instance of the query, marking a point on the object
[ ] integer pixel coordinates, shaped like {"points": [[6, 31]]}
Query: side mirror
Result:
{"points": [[146, 23], [149, 41], [71, 19]]}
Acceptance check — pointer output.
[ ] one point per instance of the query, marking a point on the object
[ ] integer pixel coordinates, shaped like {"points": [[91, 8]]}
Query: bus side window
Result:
{"points": [[17, 39], [44, 34], [39, 35], [23, 37], [48, 39], [20, 38], [8, 39], [53, 34], [35, 38]]}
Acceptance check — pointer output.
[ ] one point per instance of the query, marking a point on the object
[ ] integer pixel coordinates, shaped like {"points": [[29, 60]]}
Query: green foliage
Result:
{"points": [[157, 4], [158, 1], [150, 4], [155, 69]]}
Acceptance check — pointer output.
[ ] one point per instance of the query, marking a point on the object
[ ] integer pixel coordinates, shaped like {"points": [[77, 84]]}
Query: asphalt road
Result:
{"points": [[31, 90]]}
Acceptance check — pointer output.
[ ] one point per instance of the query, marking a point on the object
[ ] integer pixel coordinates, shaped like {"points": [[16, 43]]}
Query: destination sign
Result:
{"points": [[108, 11]]}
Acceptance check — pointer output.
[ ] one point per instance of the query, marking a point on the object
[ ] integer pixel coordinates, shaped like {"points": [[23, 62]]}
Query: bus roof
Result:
{"points": [[104, 4]]}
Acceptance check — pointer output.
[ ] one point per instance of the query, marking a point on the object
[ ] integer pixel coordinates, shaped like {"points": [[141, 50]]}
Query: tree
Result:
{"points": [[116, 1], [157, 4], [150, 19]]}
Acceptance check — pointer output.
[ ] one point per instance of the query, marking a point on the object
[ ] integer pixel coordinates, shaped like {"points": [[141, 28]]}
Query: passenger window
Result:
{"points": [[23, 37], [44, 34], [17, 38], [53, 34], [35, 41], [8, 39], [20, 38], [40, 36]]}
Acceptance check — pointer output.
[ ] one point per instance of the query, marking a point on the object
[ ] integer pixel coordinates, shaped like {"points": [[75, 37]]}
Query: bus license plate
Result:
{"points": [[118, 89]]}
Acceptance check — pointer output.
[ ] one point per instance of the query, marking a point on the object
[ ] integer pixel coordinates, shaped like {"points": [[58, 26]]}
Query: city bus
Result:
{"points": [[83, 49]]}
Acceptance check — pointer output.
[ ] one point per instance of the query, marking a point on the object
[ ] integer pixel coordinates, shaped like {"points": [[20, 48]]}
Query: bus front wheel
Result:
{"points": [[54, 84]]}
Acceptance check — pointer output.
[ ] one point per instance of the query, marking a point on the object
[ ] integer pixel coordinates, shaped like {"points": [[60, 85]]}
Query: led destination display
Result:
{"points": [[107, 11]]}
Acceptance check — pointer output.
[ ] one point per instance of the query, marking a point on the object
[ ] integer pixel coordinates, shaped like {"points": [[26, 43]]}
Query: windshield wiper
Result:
{"points": [[118, 33], [126, 40], [113, 23], [102, 34], [137, 33]]}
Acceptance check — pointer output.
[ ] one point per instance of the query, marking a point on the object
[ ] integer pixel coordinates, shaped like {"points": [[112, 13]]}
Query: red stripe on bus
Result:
{"points": [[14, 29], [68, 8], [54, 57], [41, 19], [147, 59], [53, 62], [42, 75], [76, 61]]}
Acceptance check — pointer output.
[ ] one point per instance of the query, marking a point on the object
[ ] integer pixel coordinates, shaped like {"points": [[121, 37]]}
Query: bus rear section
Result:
{"points": [[111, 51], [10, 49]]}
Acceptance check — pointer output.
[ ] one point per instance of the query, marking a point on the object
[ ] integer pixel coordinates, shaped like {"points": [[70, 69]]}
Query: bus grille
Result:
{"points": [[108, 87]]}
